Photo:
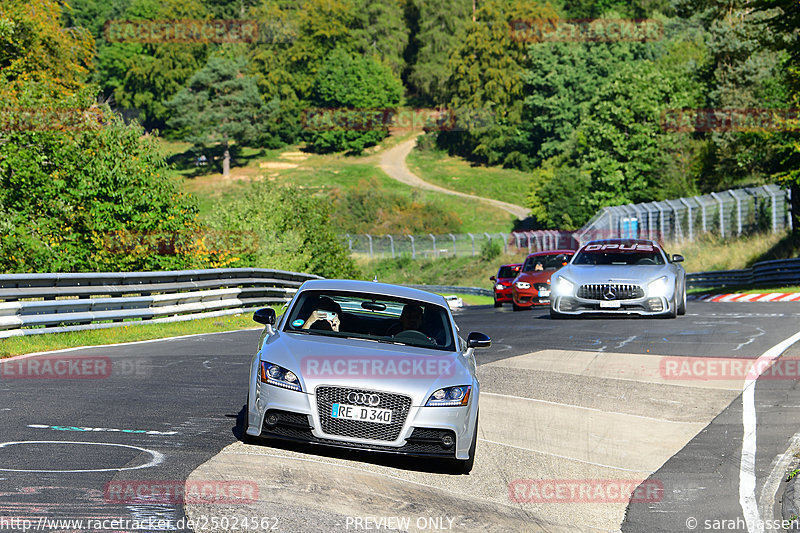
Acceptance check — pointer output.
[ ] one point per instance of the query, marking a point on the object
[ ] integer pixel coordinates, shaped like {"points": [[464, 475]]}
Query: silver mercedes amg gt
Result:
{"points": [[366, 365], [620, 276]]}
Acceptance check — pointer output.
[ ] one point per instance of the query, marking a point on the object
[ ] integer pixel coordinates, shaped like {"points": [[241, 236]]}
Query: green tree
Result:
{"points": [[143, 77], [382, 32], [286, 240], [221, 104], [38, 57], [440, 25], [348, 86]]}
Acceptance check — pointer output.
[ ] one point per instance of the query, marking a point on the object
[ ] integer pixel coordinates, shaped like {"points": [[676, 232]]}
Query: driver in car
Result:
{"points": [[326, 315]]}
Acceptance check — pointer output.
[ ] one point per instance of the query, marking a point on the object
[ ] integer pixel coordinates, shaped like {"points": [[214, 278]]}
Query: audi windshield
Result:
{"points": [[371, 317]]}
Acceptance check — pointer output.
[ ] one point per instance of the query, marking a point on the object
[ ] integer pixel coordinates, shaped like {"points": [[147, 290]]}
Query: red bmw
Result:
{"points": [[532, 285]]}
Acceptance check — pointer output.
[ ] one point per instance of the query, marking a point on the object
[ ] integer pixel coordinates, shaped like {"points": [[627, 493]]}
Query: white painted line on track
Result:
{"points": [[594, 409], [156, 457], [747, 473], [779, 466]]}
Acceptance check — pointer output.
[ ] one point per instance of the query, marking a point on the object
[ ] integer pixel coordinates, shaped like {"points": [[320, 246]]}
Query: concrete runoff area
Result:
{"points": [[586, 439]]}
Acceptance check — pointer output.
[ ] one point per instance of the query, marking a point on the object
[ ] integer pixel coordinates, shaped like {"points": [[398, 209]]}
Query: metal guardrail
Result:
{"points": [[777, 272], [32, 304]]}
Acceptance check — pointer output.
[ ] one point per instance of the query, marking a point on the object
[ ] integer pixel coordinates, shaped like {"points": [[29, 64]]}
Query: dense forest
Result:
{"points": [[592, 119]]}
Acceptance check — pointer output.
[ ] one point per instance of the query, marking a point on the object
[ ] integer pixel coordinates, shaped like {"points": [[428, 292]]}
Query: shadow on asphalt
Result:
{"points": [[417, 464]]}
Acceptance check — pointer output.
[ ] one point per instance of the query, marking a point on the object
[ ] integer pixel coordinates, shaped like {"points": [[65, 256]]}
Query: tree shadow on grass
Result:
{"points": [[190, 165]]}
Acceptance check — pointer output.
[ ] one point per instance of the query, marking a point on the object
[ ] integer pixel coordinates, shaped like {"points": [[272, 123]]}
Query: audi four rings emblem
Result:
{"points": [[360, 398]]}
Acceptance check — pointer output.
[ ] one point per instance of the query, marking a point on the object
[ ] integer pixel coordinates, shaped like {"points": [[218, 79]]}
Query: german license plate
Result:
{"points": [[609, 305], [363, 414], [544, 293]]}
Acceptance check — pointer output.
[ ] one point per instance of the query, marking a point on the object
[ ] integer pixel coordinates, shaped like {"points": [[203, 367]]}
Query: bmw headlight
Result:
{"points": [[563, 287], [658, 288], [450, 397], [523, 285], [499, 287], [280, 377]]}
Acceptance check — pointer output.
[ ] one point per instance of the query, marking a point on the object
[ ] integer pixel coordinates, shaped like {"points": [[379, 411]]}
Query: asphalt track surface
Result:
{"points": [[565, 404]]}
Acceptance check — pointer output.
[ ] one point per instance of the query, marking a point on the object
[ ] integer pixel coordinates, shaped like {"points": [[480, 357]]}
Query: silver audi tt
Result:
{"points": [[366, 365], [620, 276]]}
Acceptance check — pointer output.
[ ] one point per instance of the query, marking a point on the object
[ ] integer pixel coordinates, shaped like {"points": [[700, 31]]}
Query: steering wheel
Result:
{"points": [[414, 335]]}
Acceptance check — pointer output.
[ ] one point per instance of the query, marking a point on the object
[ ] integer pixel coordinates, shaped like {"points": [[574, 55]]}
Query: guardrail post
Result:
{"points": [[413, 248], [391, 244], [433, 237], [471, 236], [455, 252]]}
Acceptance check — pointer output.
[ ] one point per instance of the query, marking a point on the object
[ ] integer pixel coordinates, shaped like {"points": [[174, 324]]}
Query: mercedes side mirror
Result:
{"points": [[265, 316], [478, 340], [677, 258]]}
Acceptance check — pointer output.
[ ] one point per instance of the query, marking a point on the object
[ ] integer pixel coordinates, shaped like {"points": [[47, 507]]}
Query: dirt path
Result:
{"points": [[393, 163]]}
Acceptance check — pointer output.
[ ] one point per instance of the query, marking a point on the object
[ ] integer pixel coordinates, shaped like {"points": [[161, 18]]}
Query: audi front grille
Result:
{"points": [[358, 429], [621, 291]]}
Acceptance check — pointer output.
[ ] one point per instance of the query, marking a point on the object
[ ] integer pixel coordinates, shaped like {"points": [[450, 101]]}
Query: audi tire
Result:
{"points": [[464, 466]]}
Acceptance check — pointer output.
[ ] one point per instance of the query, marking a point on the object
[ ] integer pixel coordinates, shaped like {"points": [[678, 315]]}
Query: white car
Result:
{"points": [[367, 365], [620, 276]]}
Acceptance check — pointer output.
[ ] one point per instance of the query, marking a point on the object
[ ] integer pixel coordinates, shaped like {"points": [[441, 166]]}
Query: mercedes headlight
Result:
{"points": [[658, 288], [280, 377], [563, 287], [450, 397], [523, 285]]}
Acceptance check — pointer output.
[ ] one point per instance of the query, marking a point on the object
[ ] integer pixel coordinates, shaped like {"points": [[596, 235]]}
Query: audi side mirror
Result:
{"points": [[677, 258], [478, 340], [265, 316]]}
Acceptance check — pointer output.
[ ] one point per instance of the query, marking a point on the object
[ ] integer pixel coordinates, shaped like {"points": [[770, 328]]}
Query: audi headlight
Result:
{"points": [[523, 285], [658, 288], [280, 377], [450, 397], [564, 287]]}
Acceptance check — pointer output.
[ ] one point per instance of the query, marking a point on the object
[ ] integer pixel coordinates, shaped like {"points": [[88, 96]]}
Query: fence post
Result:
{"points": [[435, 252], [721, 214], [413, 248], [471, 236], [685, 202], [349, 242], [455, 253], [662, 225], [391, 243], [369, 237], [774, 209], [505, 242]]}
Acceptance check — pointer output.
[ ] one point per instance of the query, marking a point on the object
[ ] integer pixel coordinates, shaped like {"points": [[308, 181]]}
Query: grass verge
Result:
{"points": [[434, 166], [138, 332], [710, 252]]}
